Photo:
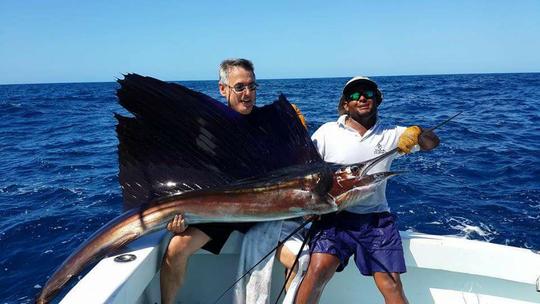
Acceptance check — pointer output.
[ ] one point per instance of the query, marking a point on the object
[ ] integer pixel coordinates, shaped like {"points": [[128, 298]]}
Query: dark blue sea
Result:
{"points": [[59, 167]]}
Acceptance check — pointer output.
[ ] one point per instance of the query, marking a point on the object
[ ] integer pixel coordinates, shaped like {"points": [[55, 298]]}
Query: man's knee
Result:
{"points": [[178, 247], [322, 270], [390, 283], [286, 257], [183, 245], [391, 286]]}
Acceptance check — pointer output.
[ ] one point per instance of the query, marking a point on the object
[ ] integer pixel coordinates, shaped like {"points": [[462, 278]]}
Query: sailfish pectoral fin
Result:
{"points": [[360, 189]]}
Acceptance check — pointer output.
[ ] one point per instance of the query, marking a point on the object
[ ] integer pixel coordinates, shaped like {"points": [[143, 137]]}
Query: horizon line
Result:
{"points": [[297, 78]]}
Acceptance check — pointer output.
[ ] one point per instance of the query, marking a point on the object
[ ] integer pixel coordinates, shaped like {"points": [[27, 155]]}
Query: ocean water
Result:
{"points": [[58, 162]]}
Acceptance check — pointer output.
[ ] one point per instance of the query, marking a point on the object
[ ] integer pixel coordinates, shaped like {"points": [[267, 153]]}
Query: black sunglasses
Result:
{"points": [[240, 87], [356, 95]]}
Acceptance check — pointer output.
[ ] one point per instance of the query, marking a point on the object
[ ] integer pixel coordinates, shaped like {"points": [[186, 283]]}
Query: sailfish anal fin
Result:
{"points": [[181, 140]]}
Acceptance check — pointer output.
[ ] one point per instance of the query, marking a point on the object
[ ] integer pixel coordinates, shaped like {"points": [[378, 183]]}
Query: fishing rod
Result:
{"points": [[396, 150], [444, 122]]}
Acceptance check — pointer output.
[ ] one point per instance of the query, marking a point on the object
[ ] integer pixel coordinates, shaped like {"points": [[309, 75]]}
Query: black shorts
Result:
{"points": [[219, 233]]}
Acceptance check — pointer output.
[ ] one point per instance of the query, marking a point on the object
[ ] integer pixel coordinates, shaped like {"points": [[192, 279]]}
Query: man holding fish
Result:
{"points": [[368, 231], [237, 84]]}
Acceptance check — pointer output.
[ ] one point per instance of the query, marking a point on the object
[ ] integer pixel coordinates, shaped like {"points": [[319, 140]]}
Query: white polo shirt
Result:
{"points": [[340, 144]]}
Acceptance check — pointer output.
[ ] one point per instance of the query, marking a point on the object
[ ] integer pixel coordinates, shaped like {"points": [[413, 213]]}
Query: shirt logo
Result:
{"points": [[379, 149]]}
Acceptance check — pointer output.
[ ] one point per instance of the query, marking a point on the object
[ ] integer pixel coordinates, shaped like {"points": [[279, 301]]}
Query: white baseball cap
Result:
{"points": [[358, 80]]}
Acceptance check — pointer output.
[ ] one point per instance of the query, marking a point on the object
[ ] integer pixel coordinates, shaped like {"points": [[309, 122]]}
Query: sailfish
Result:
{"points": [[182, 151]]}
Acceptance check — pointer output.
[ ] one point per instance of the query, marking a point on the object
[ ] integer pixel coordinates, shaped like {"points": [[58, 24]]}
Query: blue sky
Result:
{"points": [[81, 41]]}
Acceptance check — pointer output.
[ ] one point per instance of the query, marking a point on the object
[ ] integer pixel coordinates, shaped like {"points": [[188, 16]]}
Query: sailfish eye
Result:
{"points": [[355, 170]]}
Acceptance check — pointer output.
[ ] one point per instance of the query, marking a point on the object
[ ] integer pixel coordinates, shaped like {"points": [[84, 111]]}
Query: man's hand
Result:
{"points": [[177, 224], [409, 139], [428, 140]]}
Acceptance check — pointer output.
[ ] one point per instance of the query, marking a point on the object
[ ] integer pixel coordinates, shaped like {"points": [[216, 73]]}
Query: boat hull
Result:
{"points": [[439, 270]]}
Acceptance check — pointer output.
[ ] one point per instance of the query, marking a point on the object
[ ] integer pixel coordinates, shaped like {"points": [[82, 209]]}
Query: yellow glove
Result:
{"points": [[409, 139]]}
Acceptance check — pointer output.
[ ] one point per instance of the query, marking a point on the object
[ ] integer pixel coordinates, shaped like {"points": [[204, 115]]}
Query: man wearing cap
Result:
{"points": [[367, 231]]}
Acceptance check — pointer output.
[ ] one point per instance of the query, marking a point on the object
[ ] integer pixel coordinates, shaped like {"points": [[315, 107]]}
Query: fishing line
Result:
{"points": [[296, 259], [263, 258]]}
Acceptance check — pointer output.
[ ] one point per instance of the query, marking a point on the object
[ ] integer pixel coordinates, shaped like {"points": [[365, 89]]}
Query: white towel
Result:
{"points": [[258, 241]]}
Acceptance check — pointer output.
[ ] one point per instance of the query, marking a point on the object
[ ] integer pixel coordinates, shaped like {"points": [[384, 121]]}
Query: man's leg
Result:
{"points": [[287, 257], [286, 252], [322, 267], [174, 264], [389, 284]]}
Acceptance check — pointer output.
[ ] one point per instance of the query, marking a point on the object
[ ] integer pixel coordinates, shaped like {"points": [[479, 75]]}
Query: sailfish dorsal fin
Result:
{"points": [[181, 140]]}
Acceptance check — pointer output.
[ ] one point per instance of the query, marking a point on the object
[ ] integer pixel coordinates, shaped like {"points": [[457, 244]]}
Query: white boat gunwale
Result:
{"points": [[475, 270]]}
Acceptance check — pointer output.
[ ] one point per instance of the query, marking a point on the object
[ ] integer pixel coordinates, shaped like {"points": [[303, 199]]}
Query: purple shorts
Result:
{"points": [[373, 239]]}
